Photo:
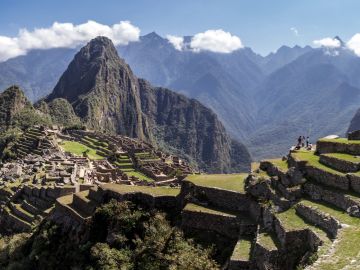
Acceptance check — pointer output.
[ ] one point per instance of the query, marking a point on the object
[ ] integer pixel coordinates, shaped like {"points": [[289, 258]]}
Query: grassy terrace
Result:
{"points": [[242, 250], [345, 250], [155, 191], [279, 163], [346, 157], [340, 140], [268, 241], [292, 222], [140, 175], [233, 182], [198, 208], [313, 160], [78, 149]]}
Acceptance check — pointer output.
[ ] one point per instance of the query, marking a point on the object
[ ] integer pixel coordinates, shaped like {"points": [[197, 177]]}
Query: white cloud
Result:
{"points": [[354, 44], [215, 41], [295, 31], [65, 35], [176, 41], [328, 43]]}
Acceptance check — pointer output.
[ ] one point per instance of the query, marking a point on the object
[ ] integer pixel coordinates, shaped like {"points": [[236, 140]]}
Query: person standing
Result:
{"points": [[299, 141], [307, 141]]}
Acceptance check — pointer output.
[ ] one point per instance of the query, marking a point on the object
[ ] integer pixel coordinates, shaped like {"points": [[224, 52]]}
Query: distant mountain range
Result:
{"points": [[265, 102]]}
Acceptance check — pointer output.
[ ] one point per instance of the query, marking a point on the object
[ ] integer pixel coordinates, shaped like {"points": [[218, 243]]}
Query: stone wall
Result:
{"points": [[323, 147], [164, 203], [339, 164], [11, 224], [314, 216], [354, 182], [224, 199], [266, 259], [338, 199], [339, 181], [227, 225]]}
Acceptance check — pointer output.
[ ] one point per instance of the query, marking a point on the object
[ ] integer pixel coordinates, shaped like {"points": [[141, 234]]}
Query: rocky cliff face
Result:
{"points": [[108, 97], [102, 90], [12, 102], [188, 125]]}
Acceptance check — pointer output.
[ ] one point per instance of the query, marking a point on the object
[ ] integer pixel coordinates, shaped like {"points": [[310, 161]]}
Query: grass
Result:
{"points": [[340, 140], [267, 240], [140, 176], [67, 199], [279, 163], [292, 221], [346, 249], [198, 208], [78, 149], [346, 157], [242, 250], [233, 182], [155, 191], [313, 160]]}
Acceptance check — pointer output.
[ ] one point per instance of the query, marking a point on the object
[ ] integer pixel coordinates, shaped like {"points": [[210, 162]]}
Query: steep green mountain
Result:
{"points": [[12, 102], [102, 90], [60, 111], [107, 96], [186, 124]]}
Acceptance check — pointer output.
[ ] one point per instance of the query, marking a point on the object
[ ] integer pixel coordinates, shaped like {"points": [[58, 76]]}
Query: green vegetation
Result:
{"points": [[292, 221], [313, 160], [279, 163], [346, 249], [29, 117], [242, 250], [340, 140], [140, 175], [121, 236], [346, 157], [62, 113], [233, 182], [155, 191], [79, 149], [267, 240], [198, 208]]}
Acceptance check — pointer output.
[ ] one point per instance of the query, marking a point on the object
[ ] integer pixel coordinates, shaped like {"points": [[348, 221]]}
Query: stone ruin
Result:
{"points": [[277, 217]]}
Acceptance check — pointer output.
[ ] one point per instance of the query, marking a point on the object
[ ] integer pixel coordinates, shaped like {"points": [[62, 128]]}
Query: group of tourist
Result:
{"points": [[303, 142]]}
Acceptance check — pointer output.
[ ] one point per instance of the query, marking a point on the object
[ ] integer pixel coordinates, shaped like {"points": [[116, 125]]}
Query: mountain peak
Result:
{"points": [[99, 47], [152, 36], [14, 90]]}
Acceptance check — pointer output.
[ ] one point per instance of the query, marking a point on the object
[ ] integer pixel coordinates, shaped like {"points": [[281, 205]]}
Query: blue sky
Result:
{"points": [[263, 25]]}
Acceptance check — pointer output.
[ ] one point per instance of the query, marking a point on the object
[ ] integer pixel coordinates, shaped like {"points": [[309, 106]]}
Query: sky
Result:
{"points": [[263, 25]]}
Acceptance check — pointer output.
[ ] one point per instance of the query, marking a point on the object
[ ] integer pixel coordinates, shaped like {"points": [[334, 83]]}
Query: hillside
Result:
{"points": [[106, 96]]}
